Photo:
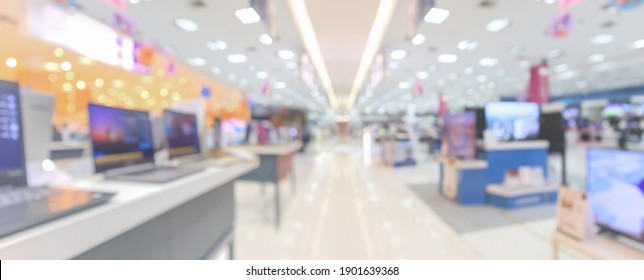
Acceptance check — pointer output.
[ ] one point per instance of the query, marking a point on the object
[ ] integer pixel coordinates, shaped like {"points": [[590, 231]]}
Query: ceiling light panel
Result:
{"points": [[398, 54], [498, 24], [639, 44], [237, 58], [468, 45], [436, 15], [186, 24], [247, 16], [418, 39], [447, 58], [286, 54], [602, 39], [266, 39], [218, 45], [489, 61], [196, 61], [596, 58]]}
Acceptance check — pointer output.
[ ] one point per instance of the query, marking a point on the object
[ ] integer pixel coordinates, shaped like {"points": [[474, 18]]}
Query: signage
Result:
{"points": [[626, 4], [561, 25], [539, 87]]}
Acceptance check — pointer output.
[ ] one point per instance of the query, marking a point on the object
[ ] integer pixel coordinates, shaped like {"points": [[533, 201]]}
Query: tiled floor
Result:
{"points": [[347, 209]]}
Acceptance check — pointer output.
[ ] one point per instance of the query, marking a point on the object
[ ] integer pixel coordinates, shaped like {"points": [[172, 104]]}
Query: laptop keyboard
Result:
{"points": [[17, 196]]}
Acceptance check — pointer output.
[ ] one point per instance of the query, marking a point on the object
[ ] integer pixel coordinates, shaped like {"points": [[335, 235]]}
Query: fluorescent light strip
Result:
{"points": [[301, 15], [385, 12]]}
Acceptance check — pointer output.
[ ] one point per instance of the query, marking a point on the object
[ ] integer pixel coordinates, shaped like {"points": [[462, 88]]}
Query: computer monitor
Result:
{"points": [[181, 133], [513, 121], [616, 190], [120, 137], [12, 161], [460, 133]]}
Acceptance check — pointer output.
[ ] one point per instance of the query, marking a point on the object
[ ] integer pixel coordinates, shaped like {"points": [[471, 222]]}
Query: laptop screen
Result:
{"points": [[182, 133], [120, 137], [12, 162]]}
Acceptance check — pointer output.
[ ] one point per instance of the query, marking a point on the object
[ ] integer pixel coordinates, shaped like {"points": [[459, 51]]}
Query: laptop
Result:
{"points": [[123, 147], [21, 206], [184, 145]]}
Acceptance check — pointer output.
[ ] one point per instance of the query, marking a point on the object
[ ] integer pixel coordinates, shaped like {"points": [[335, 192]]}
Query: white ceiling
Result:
{"points": [[342, 28]]}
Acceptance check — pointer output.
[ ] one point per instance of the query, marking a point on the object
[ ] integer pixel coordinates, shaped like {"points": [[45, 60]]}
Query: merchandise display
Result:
{"points": [[513, 121], [182, 134], [460, 131], [119, 137], [616, 191]]}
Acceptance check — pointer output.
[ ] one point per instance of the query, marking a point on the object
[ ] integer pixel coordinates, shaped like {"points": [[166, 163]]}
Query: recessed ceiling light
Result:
{"points": [[11, 62], [291, 65], [217, 45], [261, 75], [237, 58], [286, 54], [638, 44], [418, 39], [468, 70], [393, 65], [567, 75], [481, 78], [447, 58], [556, 53], [561, 68], [404, 85], [467, 45], [422, 75], [65, 66], [489, 61], [196, 61], [436, 15], [596, 58], [602, 39], [266, 39], [279, 85], [398, 54], [186, 24], [247, 16], [216, 70], [498, 24]]}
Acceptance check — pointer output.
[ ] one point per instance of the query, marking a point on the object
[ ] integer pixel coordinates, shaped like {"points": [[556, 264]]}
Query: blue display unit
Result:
{"points": [[503, 159], [468, 183], [518, 198]]}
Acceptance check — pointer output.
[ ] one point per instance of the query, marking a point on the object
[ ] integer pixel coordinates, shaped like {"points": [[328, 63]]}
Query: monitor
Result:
{"points": [[181, 133], [513, 121], [616, 190], [460, 133], [120, 137], [12, 161]]}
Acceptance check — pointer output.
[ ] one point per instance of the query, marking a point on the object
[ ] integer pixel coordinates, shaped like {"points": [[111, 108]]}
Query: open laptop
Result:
{"points": [[123, 147], [21, 206]]}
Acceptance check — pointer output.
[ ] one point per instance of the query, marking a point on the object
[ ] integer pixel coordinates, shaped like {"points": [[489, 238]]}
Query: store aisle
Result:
{"points": [[345, 209]]}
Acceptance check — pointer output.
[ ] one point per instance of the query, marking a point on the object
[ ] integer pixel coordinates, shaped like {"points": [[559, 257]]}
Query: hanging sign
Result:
{"points": [[561, 25]]}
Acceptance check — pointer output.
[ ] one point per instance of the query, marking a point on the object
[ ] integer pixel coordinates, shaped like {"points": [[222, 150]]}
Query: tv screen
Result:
{"points": [[513, 121], [12, 162], [614, 110], [233, 132], [460, 132], [119, 137], [616, 190], [181, 133]]}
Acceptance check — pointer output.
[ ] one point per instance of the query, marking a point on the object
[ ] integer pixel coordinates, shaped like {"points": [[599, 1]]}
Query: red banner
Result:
{"points": [[539, 87]]}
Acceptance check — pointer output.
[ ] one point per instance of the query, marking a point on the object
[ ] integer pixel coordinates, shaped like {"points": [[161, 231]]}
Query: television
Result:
{"points": [[614, 110], [616, 190], [513, 121], [12, 160], [182, 134], [460, 133], [234, 132], [119, 137]]}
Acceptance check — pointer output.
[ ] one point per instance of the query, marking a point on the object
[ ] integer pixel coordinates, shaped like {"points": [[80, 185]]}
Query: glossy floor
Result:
{"points": [[346, 208]]}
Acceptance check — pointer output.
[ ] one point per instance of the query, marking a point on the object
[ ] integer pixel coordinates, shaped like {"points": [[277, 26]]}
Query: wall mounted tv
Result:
{"points": [[513, 121]]}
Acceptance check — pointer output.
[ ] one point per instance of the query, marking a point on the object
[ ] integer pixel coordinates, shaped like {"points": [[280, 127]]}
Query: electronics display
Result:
{"points": [[513, 121], [181, 133], [616, 190], [233, 132], [460, 132], [119, 137], [217, 135], [614, 110], [12, 161]]}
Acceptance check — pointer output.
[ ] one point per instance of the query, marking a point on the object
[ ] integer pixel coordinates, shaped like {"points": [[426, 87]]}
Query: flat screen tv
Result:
{"points": [[616, 190], [513, 121], [181, 133], [119, 137], [12, 160], [460, 133]]}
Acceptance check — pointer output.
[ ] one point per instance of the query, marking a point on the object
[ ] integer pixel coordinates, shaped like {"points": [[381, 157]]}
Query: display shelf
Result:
{"points": [[596, 247], [511, 198]]}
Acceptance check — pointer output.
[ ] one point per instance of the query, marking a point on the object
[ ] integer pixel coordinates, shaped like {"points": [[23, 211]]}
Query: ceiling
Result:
{"points": [[342, 29]]}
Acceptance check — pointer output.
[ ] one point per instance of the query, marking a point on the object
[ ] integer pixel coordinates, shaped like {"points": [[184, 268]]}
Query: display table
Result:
{"points": [[276, 162], [596, 247], [511, 198], [464, 180], [188, 218], [511, 155]]}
